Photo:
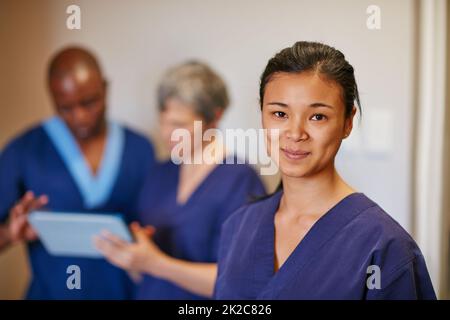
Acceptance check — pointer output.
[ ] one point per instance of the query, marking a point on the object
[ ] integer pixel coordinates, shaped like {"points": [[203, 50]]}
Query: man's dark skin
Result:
{"points": [[78, 90]]}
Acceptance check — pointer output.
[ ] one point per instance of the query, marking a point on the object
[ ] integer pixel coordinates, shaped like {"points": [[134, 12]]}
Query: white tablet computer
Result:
{"points": [[71, 234]]}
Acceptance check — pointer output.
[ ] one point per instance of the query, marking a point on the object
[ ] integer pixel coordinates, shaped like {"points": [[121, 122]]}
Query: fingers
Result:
{"points": [[141, 234], [30, 234], [38, 203], [113, 239], [104, 246], [28, 203], [112, 253], [21, 206], [17, 227], [150, 230]]}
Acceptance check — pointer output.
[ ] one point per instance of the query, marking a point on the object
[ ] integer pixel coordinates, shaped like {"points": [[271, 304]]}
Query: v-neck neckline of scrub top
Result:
{"points": [[202, 184], [323, 230], [199, 187], [95, 189]]}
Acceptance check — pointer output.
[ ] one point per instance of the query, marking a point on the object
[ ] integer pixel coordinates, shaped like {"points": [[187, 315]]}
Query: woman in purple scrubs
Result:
{"points": [[185, 203], [317, 237]]}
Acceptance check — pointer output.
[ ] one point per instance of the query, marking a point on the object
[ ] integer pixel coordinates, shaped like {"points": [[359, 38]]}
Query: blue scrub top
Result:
{"points": [[191, 231], [33, 161], [331, 262]]}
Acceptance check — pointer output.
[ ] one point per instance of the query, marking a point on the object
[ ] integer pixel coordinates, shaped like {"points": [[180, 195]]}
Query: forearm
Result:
{"points": [[5, 238], [196, 277]]}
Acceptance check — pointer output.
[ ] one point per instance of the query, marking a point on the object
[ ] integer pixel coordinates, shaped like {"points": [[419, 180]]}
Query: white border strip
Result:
{"points": [[430, 136]]}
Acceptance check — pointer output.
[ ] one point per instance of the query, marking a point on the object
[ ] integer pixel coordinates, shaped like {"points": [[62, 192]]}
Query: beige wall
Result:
{"points": [[137, 40], [24, 34], [24, 38]]}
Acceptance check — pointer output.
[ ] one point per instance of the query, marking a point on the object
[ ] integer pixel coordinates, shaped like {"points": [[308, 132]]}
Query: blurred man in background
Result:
{"points": [[76, 161]]}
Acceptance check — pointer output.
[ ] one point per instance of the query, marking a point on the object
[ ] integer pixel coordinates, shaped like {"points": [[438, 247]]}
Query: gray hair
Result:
{"points": [[196, 84]]}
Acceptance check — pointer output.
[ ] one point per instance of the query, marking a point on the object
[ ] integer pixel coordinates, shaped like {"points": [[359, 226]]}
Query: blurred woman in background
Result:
{"points": [[185, 204]]}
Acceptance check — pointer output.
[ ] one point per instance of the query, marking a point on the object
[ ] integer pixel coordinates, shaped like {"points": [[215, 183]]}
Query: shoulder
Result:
{"points": [[162, 175], [235, 167], [396, 255], [383, 225], [381, 242], [138, 150], [166, 167], [387, 239], [30, 137], [136, 139]]}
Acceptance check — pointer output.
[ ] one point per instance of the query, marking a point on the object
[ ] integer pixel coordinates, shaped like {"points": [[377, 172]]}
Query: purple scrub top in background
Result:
{"points": [[191, 231]]}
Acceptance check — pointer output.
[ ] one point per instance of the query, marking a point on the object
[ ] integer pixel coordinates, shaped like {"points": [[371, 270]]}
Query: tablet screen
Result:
{"points": [[71, 234]]}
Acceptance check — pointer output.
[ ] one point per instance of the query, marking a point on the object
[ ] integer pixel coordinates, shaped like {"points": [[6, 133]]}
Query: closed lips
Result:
{"points": [[296, 152]]}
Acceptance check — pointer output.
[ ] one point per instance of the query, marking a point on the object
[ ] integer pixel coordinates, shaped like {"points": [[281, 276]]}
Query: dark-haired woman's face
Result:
{"points": [[309, 112]]}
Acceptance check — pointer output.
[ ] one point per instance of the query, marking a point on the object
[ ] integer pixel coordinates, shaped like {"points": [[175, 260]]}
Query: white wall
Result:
{"points": [[137, 40]]}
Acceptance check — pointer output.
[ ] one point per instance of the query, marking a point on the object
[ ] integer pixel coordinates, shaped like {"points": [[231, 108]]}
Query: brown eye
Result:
{"points": [[89, 103], [279, 114], [318, 117]]}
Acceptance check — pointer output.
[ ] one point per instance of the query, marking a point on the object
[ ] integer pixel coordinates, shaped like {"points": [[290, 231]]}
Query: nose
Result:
{"points": [[297, 130], [80, 115]]}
